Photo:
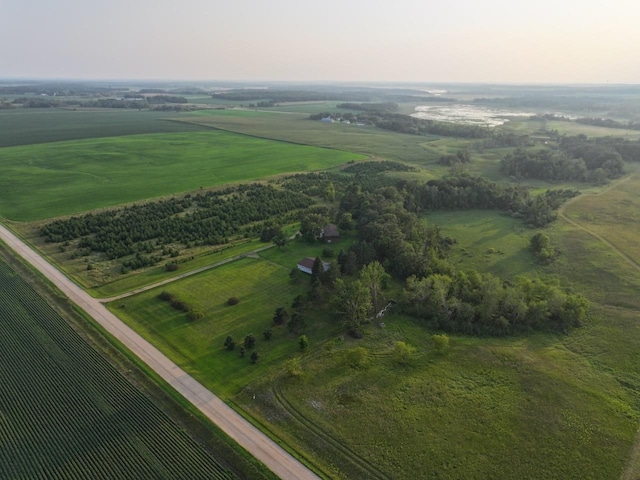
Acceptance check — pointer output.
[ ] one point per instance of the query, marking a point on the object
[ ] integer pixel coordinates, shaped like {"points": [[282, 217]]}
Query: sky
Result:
{"points": [[490, 41]]}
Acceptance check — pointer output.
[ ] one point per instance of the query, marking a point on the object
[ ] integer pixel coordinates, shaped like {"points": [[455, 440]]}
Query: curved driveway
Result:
{"points": [[253, 440]]}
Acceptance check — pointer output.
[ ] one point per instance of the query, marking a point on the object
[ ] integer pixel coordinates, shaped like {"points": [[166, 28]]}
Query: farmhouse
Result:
{"points": [[306, 265], [330, 233]]}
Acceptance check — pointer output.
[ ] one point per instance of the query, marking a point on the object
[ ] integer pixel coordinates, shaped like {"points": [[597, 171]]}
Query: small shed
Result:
{"points": [[330, 233], [306, 265]]}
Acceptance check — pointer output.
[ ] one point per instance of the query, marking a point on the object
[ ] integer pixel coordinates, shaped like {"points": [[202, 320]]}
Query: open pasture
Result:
{"points": [[296, 127], [67, 413], [26, 126], [44, 181], [613, 214], [487, 241], [489, 408]]}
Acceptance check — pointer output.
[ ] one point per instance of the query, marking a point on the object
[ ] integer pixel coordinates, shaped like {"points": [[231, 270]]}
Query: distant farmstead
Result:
{"points": [[330, 233], [306, 265]]}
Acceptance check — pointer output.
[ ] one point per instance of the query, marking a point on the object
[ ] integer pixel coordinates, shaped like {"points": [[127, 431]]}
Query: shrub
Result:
{"points": [[180, 305], [356, 333], [280, 316], [303, 342], [249, 341], [294, 369], [357, 357], [440, 343], [229, 343], [267, 334], [171, 267], [255, 356], [233, 301], [194, 315], [166, 296]]}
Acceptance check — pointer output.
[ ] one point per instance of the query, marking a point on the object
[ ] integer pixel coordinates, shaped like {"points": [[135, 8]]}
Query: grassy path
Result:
{"points": [[632, 468], [562, 214]]}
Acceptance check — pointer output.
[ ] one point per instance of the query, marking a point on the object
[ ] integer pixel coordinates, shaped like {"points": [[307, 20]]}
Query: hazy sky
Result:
{"points": [[550, 41]]}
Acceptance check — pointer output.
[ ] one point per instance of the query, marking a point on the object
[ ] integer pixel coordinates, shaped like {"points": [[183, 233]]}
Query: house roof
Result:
{"points": [[308, 262], [330, 230]]}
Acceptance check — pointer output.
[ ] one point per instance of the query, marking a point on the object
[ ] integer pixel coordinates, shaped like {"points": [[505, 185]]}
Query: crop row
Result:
{"points": [[65, 412]]}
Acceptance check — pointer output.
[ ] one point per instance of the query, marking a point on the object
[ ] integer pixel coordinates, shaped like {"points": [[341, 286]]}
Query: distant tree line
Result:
{"points": [[132, 102], [370, 107], [368, 168], [608, 123], [578, 158], [277, 96], [155, 99]]}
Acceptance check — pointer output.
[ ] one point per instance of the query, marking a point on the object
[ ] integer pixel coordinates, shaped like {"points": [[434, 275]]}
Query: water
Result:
{"points": [[467, 114]]}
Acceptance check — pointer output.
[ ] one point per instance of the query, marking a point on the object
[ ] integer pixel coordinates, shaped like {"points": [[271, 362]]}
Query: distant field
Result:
{"points": [[43, 181], [526, 126], [296, 127], [572, 128], [308, 107], [67, 413], [26, 126]]}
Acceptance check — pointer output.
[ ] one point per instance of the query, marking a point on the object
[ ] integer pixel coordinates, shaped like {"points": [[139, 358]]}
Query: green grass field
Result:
{"points": [[515, 408], [296, 127], [44, 181], [613, 214], [153, 274], [26, 126], [487, 241], [197, 347], [67, 413]]}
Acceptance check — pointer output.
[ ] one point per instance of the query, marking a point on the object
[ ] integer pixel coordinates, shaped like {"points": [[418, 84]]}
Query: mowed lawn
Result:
{"points": [[48, 180], [198, 347]]}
